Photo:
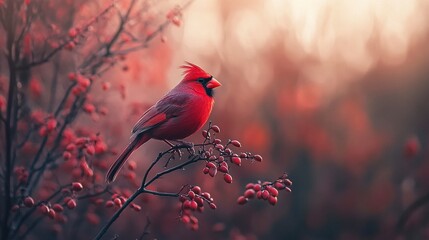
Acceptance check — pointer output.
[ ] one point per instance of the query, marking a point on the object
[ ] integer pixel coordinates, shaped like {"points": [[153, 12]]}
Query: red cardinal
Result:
{"points": [[180, 113]]}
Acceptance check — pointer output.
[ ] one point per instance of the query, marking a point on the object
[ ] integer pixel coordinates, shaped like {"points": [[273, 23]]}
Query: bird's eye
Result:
{"points": [[200, 80]]}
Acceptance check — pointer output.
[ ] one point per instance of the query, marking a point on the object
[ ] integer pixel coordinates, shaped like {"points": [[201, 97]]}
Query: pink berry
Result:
{"points": [[212, 172], [236, 143], [71, 204], [216, 128], [272, 200], [227, 178], [258, 158], [196, 189], [273, 192], [236, 160], [249, 193], [77, 186], [242, 200], [29, 202]]}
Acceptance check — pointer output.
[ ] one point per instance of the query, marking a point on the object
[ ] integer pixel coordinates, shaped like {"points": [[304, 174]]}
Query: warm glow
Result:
{"points": [[344, 39]]}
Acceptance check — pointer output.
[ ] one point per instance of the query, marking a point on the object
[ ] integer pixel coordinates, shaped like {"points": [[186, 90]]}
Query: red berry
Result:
{"points": [[272, 200], [43, 132], [136, 207], [83, 81], [72, 32], [265, 194], [132, 165], [123, 199], [213, 206], [228, 151], [212, 172], [72, 76], [206, 195], [71, 147], [250, 185], [216, 128], [52, 213], [210, 165], [236, 143], [258, 158], [199, 201], [71, 204], [194, 205], [223, 169], [242, 200], [90, 150], [67, 199], [288, 182], [243, 155], [70, 45], [219, 146], [249, 193], [67, 155], [257, 187], [279, 185], [187, 204], [57, 207], [44, 209], [117, 202], [273, 192], [106, 86], [51, 124], [194, 220], [29, 202], [236, 160], [196, 189], [191, 194], [227, 178], [205, 134], [89, 108], [77, 186], [206, 170], [185, 219], [109, 204], [217, 140]]}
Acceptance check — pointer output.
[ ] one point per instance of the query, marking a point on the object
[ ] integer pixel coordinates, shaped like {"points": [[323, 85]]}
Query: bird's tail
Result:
{"points": [[114, 169]]}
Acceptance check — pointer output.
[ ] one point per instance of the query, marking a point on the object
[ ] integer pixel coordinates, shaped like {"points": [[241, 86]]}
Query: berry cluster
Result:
{"points": [[54, 210], [266, 190], [118, 200], [218, 156], [193, 201]]}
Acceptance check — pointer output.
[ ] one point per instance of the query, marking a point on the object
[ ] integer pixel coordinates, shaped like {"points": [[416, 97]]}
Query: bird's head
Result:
{"points": [[196, 75]]}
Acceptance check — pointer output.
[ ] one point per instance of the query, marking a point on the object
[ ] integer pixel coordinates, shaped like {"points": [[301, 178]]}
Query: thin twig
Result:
{"points": [[142, 189], [46, 58]]}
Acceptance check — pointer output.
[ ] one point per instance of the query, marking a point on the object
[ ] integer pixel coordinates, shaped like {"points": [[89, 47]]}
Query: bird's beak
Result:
{"points": [[213, 83]]}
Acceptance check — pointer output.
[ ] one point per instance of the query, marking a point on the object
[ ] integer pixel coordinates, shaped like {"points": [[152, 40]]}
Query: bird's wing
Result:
{"points": [[168, 107]]}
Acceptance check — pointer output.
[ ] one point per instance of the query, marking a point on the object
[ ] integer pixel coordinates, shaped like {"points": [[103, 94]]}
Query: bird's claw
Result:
{"points": [[179, 152], [186, 144]]}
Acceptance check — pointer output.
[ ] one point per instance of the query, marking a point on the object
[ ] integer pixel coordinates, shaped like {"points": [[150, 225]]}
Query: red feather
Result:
{"points": [[193, 72]]}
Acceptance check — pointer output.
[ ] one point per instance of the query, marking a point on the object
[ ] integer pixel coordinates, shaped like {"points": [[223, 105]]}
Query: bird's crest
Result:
{"points": [[193, 72]]}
